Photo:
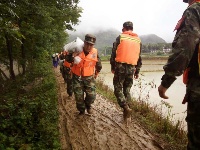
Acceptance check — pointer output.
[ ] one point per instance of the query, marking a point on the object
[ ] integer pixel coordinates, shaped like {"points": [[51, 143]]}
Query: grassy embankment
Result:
{"points": [[170, 134], [29, 112]]}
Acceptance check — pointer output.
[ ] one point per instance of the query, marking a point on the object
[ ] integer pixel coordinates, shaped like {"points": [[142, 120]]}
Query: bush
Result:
{"points": [[29, 113]]}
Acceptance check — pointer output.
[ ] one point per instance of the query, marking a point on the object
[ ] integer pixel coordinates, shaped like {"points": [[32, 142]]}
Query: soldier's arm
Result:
{"points": [[183, 46], [113, 55], [139, 62], [98, 66]]}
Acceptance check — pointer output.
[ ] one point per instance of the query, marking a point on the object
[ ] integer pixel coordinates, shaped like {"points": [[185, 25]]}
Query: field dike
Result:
{"points": [[103, 130]]}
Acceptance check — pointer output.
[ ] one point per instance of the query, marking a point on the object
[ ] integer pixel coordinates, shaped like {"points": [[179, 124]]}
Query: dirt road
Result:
{"points": [[104, 130]]}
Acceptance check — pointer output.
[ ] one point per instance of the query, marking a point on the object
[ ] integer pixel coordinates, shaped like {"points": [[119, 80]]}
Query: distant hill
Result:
{"points": [[105, 38], [151, 38]]}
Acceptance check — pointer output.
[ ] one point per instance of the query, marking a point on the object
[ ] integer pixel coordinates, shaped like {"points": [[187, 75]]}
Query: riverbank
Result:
{"points": [[144, 57], [151, 73], [163, 117]]}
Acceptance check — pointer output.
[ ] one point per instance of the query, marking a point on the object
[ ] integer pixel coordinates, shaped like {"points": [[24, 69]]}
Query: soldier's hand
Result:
{"points": [[96, 74], [136, 76], [162, 90], [113, 71]]}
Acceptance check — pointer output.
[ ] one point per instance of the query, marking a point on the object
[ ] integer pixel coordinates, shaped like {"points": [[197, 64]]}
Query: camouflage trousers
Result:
{"points": [[68, 80], [193, 113], [84, 91], [62, 70], [123, 81]]}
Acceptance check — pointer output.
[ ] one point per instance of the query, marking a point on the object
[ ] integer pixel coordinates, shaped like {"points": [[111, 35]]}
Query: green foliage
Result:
{"points": [[29, 113], [160, 53], [147, 48], [27, 28], [29, 32], [105, 58]]}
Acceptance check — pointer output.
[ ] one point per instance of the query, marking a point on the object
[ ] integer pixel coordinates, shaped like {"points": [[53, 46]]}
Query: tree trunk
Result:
{"points": [[3, 74], [23, 57], [9, 49]]}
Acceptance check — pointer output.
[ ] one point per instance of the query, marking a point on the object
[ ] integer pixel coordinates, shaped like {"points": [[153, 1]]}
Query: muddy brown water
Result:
{"points": [[152, 71]]}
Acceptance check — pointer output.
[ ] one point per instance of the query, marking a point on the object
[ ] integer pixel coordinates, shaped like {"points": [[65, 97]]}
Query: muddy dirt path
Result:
{"points": [[103, 130]]}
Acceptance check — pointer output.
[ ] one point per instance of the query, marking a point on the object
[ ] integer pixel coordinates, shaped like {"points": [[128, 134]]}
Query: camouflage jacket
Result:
{"points": [[113, 56], [184, 47]]}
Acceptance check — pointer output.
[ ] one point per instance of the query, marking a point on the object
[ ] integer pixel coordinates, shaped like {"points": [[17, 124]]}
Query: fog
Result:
{"points": [[149, 17]]}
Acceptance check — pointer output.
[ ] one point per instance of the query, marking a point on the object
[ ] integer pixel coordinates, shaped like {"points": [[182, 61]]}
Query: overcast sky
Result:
{"points": [[148, 16]]}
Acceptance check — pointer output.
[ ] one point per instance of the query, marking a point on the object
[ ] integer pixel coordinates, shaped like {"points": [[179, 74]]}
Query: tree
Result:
{"points": [[29, 30]]}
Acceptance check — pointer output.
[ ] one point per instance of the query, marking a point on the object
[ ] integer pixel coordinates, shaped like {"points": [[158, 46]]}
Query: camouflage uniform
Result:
{"points": [[61, 57], [67, 75], [85, 85], [185, 55], [123, 76]]}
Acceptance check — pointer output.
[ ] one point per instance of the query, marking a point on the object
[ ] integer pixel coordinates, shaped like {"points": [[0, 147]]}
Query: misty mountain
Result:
{"points": [[151, 38], [105, 38]]}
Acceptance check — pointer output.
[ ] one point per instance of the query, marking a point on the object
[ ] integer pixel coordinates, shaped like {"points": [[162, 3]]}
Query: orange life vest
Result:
{"points": [[87, 65], [67, 64], [129, 48]]}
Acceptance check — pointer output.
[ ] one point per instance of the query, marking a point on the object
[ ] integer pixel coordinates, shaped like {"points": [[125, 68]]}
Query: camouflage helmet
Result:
{"points": [[89, 38], [186, 1], [127, 24]]}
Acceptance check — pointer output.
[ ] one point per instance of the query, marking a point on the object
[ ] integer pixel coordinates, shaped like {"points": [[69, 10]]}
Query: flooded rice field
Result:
{"points": [[151, 73]]}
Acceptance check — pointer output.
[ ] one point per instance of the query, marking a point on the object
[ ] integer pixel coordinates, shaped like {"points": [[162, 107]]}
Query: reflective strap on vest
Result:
{"points": [[128, 49], [129, 38]]}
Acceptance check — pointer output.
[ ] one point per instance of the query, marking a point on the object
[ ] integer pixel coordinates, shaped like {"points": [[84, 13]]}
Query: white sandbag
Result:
{"points": [[77, 60], [79, 45], [74, 46]]}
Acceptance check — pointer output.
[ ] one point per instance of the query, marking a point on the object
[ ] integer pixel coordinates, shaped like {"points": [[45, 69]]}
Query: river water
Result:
{"points": [[151, 73]]}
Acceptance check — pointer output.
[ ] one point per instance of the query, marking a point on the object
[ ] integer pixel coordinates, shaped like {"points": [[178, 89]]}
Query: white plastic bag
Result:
{"points": [[77, 60], [74, 46], [79, 45]]}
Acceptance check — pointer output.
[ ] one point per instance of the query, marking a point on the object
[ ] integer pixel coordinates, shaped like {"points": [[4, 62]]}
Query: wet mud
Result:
{"points": [[103, 130]]}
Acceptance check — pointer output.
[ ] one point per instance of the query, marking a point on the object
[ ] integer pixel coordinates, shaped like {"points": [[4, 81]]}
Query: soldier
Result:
{"points": [[67, 75], [61, 60], [86, 66], [125, 63], [186, 60], [54, 60]]}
